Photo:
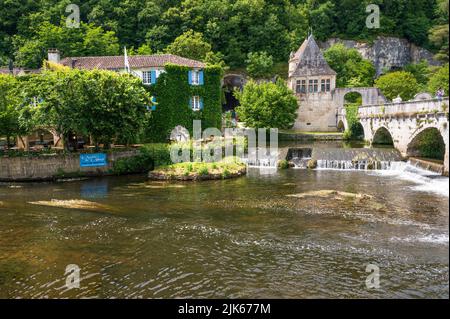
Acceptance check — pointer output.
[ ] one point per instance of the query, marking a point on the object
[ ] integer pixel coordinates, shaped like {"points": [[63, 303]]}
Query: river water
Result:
{"points": [[242, 238]]}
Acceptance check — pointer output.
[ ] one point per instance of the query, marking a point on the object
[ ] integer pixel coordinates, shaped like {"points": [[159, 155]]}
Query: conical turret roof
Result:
{"points": [[310, 60]]}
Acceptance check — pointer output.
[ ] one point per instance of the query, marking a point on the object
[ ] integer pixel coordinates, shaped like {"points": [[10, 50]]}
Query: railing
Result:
{"points": [[408, 107]]}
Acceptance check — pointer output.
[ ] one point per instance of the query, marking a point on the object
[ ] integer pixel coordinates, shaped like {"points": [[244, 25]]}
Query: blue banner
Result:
{"points": [[93, 160]]}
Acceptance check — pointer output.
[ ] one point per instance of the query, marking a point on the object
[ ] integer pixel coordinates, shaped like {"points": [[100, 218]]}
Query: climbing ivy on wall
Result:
{"points": [[173, 93]]}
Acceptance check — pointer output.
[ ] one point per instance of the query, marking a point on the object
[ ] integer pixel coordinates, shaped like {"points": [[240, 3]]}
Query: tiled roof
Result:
{"points": [[311, 60], [136, 61]]}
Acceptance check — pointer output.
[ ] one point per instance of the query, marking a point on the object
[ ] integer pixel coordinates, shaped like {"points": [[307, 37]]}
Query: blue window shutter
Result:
{"points": [[190, 103], [201, 77], [153, 77], [153, 107], [153, 99], [201, 103], [190, 77]]}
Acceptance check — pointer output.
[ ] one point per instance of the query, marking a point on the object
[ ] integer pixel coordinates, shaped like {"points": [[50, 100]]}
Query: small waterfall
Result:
{"points": [[299, 157], [425, 180], [356, 159]]}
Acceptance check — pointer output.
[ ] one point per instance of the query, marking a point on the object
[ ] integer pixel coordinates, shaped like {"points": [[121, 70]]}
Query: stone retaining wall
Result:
{"points": [[54, 167]]}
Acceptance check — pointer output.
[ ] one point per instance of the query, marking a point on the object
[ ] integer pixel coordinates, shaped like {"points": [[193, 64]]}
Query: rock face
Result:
{"points": [[386, 52]]}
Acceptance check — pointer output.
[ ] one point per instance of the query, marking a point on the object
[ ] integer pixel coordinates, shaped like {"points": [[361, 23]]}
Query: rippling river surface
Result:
{"points": [[242, 238]]}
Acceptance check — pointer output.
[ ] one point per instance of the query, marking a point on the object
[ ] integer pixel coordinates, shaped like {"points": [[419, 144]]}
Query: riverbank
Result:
{"points": [[292, 135], [59, 166]]}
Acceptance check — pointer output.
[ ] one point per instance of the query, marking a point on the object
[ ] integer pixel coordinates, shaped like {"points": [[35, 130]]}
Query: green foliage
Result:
{"points": [[440, 80], [101, 104], [173, 92], [355, 130], [429, 144], [259, 64], [234, 27], [400, 83], [439, 34], [352, 70], [9, 116], [89, 39], [267, 105], [190, 45], [283, 164], [421, 72]]}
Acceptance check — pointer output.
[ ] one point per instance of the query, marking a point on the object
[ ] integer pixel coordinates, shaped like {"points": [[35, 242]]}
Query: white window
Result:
{"points": [[196, 103], [147, 77], [195, 77]]}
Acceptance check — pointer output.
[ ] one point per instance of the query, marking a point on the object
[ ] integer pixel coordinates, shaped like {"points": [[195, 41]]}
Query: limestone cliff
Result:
{"points": [[386, 52]]}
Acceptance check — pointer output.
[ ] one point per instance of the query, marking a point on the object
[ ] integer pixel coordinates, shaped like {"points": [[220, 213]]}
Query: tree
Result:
{"points": [[190, 45], [440, 80], [267, 105], [259, 64], [421, 72], [8, 115], [352, 70], [439, 34], [400, 83]]}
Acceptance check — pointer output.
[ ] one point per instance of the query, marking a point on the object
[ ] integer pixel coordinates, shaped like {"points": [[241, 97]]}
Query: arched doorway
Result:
{"points": [[352, 101], [382, 137], [429, 144], [231, 82]]}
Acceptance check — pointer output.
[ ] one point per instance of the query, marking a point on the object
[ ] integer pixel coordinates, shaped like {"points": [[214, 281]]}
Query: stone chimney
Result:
{"points": [[54, 56]]}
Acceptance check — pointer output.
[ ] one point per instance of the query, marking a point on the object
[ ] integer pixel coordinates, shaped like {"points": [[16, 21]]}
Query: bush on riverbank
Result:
{"points": [[226, 168], [150, 156]]}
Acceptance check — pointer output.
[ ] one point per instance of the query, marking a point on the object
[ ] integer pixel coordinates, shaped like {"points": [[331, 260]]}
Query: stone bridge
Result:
{"points": [[370, 96], [405, 123]]}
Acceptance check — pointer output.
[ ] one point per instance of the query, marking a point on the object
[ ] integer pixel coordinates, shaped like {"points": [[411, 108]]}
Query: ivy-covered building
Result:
{"points": [[182, 89]]}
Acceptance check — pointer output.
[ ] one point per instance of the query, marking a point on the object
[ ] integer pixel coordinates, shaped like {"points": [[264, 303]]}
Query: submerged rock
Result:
{"points": [[74, 204], [331, 193]]}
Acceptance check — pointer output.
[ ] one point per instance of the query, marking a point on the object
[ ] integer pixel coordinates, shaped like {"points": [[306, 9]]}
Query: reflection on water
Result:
{"points": [[235, 238]]}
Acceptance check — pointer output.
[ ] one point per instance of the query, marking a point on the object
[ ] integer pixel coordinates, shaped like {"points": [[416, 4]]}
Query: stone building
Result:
{"points": [[314, 82]]}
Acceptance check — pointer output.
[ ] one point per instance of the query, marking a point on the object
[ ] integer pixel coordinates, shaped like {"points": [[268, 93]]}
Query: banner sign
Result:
{"points": [[93, 160]]}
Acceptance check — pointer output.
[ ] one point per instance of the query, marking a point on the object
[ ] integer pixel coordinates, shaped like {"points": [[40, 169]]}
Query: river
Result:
{"points": [[242, 238]]}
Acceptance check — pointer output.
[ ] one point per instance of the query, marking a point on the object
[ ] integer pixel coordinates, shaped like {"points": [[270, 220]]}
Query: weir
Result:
{"points": [[339, 158]]}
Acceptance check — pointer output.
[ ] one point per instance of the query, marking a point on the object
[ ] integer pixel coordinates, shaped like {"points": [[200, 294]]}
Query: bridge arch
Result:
{"points": [[428, 142], [383, 136]]}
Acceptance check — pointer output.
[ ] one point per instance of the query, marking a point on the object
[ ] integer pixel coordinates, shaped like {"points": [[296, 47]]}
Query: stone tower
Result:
{"points": [[314, 83]]}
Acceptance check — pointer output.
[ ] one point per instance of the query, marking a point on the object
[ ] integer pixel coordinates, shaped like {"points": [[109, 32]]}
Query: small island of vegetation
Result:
{"points": [[229, 167]]}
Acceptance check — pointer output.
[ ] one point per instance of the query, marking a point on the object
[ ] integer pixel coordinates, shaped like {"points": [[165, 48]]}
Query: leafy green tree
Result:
{"points": [[421, 72], [259, 64], [86, 40], [9, 125], [440, 80], [267, 105], [190, 45], [439, 34], [399, 83], [352, 70]]}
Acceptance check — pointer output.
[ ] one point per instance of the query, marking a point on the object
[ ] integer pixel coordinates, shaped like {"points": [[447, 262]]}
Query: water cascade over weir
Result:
{"points": [[340, 158], [299, 156]]}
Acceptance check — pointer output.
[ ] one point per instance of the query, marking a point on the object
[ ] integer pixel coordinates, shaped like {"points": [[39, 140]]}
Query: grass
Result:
{"points": [[309, 133], [225, 168]]}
